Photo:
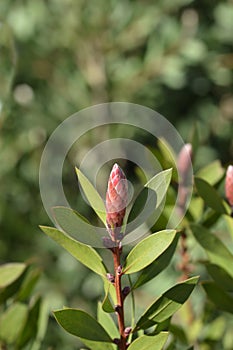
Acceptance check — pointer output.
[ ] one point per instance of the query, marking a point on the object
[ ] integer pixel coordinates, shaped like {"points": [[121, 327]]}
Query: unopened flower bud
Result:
{"points": [[184, 162], [116, 197], [229, 184], [119, 270], [116, 341], [127, 331], [126, 290], [111, 278]]}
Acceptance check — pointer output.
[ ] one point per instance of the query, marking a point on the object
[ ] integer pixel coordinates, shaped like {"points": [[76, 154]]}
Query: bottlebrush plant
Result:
{"points": [[143, 262]]}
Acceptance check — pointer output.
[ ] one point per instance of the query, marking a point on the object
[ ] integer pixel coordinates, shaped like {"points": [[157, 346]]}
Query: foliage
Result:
{"points": [[58, 57], [147, 251], [23, 318]]}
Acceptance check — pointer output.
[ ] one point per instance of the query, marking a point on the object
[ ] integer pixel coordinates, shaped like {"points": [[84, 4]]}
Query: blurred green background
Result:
{"points": [[59, 56]]}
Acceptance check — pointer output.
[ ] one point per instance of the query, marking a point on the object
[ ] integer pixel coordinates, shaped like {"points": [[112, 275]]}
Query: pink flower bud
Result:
{"points": [[229, 184], [116, 197], [184, 161]]}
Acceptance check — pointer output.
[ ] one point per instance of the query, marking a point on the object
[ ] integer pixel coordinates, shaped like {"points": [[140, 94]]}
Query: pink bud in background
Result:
{"points": [[184, 161], [184, 167], [116, 197], [229, 184]]}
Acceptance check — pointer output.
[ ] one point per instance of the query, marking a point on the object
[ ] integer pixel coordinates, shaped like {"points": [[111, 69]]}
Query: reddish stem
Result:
{"points": [[120, 302]]}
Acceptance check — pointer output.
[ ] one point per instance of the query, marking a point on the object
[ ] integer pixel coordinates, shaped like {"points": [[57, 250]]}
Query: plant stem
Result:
{"points": [[120, 302], [184, 266]]}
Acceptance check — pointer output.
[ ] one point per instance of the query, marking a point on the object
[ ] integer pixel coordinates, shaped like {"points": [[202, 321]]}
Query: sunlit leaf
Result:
{"points": [[28, 284], [81, 324], [158, 265], [12, 322], [107, 322], [156, 195], [210, 195], [220, 276], [147, 342], [159, 183], [30, 329], [82, 252], [76, 226], [148, 250], [92, 195], [107, 305], [10, 272], [211, 173], [218, 296], [217, 252], [166, 305]]}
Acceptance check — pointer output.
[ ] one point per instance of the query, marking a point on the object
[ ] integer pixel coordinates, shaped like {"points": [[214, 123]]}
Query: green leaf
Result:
{"points": [[217, 252], [160, 183], [158, 187], [211, 173], [169, 156], [30, 329], [82, 252], [158, 265], [10, 272], [194, 139], [148, 250], [209, 218], [28, 284], [220, 276], [81, 324], [107, 322], [12, 322], [166, 305], [218, 296], [146, 342], [94, 345], [92, 195], [76, 226], [42, 323], [107, 305], [210, 195]]}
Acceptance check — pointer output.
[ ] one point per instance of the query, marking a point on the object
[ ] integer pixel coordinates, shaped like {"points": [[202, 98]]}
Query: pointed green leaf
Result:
{"points": [[13, 287], [10, 272], [12, 322], [210, 195], [76, 226], [220, 276], [94, 345], [82, 252], [92, 195], [211, 173], [158, 265], [30, 329], [169, 156], [218, 296], [194, 139], [217, 252], [81, 324], [147, 342], [157, 186], [107, 322], [107, 305], [165, 306], [160, 183], [110, 291], [209, 217], [42, 323], [28, 284], [148, 250]]}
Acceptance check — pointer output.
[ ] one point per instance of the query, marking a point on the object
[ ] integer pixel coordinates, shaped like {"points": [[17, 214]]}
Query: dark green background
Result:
{"points": [[57, 57]]}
